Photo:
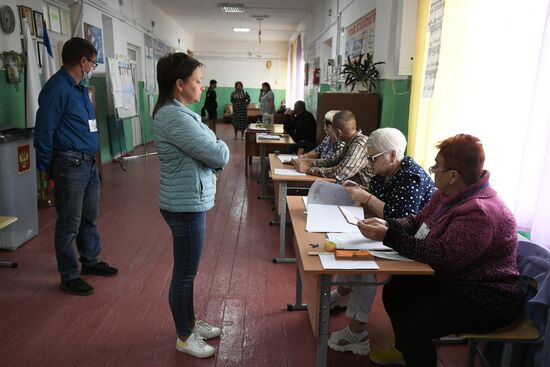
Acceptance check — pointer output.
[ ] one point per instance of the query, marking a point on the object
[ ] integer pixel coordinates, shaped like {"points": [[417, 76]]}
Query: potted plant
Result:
{"points": [[363, 72]]}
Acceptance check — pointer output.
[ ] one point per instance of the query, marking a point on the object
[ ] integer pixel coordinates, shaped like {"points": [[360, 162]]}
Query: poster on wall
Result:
{"points": [[435, 25], [159, 49], [360, 36], [94, 35], [150, 80]]}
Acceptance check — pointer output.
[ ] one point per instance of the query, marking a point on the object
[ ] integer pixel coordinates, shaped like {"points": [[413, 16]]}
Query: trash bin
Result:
{"points": [[18, 194]]}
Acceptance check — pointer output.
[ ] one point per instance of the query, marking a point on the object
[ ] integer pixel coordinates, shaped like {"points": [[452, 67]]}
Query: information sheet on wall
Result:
{"points": [[360, 36], [435, 25]]}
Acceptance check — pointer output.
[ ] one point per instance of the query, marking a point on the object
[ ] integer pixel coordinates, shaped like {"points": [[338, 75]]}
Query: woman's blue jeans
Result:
{"points": [[188, 235]]}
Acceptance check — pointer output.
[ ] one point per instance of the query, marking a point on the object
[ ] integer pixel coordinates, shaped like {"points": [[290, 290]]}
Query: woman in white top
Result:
{"points": [[267, 99]]}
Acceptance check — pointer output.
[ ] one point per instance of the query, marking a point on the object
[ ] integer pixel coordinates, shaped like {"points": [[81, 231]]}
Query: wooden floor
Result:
{"points": [[127, 322]]}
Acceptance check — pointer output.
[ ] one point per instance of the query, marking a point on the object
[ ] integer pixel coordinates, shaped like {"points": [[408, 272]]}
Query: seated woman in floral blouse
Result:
{"points": [[330, 147], [398, 188]]}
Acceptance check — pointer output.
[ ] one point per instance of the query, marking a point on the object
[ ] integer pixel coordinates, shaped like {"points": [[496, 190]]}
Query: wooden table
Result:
{"points": [[251, 149], [284, 141], [4, 222], [280, 184], [315, 282]]}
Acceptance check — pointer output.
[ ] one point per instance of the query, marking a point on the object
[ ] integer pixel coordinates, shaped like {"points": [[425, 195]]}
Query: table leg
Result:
{"points": [[263, 184], [7, 264], [298, 305], [324, 310], [282, 228]]}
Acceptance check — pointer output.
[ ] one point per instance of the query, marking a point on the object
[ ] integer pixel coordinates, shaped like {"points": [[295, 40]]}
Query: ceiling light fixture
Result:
{"points": [[241, 29], [231, 7]]}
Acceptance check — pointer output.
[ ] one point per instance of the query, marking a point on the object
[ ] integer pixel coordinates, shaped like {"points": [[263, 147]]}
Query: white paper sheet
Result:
{"points": [[268, 137], [322, 192], [390, 255], [288, 172], [329, 262], [328, 218], [355, 241], [286, 158]]}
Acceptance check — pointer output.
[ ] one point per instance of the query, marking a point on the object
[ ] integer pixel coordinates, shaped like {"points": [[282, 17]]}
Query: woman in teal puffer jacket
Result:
{"points": [[189, 155]]}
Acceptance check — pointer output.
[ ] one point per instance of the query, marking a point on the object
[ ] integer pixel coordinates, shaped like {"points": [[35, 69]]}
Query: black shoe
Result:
{"points": [[77, 286], [100, 268]]}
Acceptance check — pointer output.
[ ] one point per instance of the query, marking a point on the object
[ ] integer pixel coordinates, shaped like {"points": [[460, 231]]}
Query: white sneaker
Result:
{"points": [[195, 346], [206, 330], [347, 341], [337, 300]]}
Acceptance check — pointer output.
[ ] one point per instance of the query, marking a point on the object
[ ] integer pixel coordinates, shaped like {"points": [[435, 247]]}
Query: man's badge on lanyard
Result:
{"points": [[92, 123]]}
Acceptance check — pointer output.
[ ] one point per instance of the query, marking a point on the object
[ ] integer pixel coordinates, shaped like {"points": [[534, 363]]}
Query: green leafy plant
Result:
{"points": [[362, 71]]}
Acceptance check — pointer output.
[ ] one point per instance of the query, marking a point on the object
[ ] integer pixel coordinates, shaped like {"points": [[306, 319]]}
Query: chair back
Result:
{"points": [[534, 263]]}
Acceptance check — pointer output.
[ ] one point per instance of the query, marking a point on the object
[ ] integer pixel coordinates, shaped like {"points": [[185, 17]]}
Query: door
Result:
{"points": [[136, 126]]}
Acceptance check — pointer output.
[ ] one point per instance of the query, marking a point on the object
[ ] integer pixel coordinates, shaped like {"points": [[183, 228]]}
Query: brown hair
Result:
{"points": [[463, 153], [170, 68]]}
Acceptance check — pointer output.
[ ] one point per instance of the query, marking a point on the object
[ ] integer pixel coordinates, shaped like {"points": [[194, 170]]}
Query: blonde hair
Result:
{"points": [[330, 115]]}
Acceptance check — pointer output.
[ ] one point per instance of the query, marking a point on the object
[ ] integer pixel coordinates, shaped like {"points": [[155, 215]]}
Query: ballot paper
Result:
{"points": [[355, 241], [329, 218], [323, 192], [324, 214], [350, 218], [329, 262], [287, 158], [390, 255]]}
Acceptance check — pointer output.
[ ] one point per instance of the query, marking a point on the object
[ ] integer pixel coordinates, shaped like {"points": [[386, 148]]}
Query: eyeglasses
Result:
{"points": [[434, 169], [92, 63], [372, 158]]}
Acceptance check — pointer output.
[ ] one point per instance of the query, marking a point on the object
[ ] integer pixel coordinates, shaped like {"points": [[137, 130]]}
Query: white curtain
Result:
{"points": [[493, 82]]}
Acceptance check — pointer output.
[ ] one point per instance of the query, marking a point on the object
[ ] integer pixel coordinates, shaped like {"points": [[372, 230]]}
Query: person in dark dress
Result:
{"points": [[211, 105], [302, 127], [240, 100]]}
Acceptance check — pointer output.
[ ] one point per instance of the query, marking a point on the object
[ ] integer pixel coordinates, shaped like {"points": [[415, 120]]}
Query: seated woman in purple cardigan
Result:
{"points": [[468, 236]]}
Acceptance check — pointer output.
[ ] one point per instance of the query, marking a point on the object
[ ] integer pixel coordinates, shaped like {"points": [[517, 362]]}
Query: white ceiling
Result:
{"points": [[204, 20]]}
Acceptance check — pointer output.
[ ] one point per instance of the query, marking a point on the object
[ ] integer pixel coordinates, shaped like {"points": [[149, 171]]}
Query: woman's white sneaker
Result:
{"points": [[206, 330], [347, 341], [195, 346]]}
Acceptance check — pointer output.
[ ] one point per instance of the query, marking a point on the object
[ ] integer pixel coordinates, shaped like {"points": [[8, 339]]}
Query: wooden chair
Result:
{"points": [[4, 222], [534, 264]]}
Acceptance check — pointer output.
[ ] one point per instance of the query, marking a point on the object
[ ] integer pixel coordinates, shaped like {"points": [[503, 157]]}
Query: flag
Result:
{"points": [[48, 62], [32, 79]]}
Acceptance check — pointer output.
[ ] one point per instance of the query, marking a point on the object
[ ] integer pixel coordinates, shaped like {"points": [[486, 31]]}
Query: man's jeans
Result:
{"points": [[76, 180], [188, 236]]}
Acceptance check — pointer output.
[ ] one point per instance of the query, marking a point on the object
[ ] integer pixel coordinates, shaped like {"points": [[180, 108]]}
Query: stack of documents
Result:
{"points": [[355, 241], [287, 172], [265, 136], [287, 158], [329, 262]]}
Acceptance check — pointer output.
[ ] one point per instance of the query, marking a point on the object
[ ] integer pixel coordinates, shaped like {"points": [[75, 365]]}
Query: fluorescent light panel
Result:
{"points": [[241, 29], [231, 7]]}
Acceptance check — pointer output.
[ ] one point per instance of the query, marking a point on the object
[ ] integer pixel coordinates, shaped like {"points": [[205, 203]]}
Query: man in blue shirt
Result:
{"points": [[66, 141]]}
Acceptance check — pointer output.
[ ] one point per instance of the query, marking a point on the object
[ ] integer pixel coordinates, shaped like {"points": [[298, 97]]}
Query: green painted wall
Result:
{"points": [[12, 102], [395, 99], [12, 111], [109, 133]]}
